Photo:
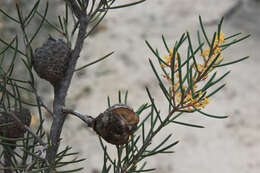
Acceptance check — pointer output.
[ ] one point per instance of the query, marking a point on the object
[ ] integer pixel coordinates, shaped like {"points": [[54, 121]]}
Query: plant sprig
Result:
{"points": [[185, 84]]}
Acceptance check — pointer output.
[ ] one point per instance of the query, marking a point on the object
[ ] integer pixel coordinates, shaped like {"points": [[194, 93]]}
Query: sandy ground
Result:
{"points": [[228, 146]]}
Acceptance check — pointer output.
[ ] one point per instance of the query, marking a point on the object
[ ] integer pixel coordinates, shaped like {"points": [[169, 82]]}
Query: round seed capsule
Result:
{"points": [[116, 124]]}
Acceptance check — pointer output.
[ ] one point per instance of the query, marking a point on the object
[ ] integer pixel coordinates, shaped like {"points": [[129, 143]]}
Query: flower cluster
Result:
{"points": [[192, 98], [186, 94], [210, 55], [168, 59]]}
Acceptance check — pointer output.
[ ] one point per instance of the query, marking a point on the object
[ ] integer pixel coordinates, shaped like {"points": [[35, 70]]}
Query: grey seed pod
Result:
{"points": [[116, 124], [51, 60]]}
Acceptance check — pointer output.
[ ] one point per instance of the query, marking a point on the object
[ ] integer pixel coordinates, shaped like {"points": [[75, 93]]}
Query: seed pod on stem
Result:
{"points": [[10, 128], [116, 124], [51, 60]]}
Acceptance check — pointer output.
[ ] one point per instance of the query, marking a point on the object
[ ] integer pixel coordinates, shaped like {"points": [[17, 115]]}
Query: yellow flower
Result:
{"points": [[171, 51], [221, 38], [189, 109], [193, 101], [171, 89], [176, 84], [205, 53], [206, 100], [168, 59], [178, 96], [178, 99], [202, 104], [163, 66], [216, 48], [201, 68], [175, 67], [189, 96], [200, 93]]}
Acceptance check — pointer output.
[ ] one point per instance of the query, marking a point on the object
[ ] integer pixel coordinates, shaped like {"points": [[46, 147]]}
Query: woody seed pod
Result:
{"points": [[51, 60], [116, 124], [10, 128]]}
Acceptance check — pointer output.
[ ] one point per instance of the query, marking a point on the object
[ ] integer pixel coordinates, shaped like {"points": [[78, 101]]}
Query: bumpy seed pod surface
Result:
{"points": [[116, 124], [51, 60], [10, 128]]}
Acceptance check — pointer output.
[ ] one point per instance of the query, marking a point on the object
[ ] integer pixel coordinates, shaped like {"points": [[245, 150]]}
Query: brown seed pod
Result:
{"points": [[10, 128], [51, 60], [116, 124]]}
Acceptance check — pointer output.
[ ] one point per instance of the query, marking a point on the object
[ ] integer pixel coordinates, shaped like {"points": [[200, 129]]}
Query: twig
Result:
{"points": [[86, 118], [41, 101], [74, 8], [44, 105]]}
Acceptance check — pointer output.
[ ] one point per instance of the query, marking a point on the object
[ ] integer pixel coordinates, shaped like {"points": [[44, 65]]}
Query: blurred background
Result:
{"points": [[229, 146]]}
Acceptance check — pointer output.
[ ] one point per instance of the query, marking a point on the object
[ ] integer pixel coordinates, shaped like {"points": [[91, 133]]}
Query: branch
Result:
{"points": [[61, 89], [86, 118]]}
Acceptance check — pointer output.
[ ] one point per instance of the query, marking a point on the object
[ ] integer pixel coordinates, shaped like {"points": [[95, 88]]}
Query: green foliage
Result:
{"points": [[131, 157]]}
